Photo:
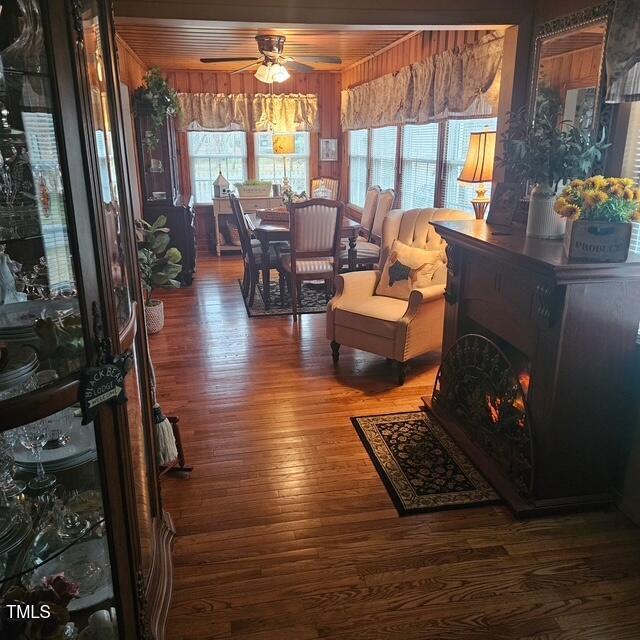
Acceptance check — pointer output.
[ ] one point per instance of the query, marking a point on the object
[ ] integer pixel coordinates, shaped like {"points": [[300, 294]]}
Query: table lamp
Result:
{"points": [[478, 168], [284, 144]]}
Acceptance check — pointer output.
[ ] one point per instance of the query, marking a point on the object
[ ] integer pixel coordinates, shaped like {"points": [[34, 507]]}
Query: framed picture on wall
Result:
{"points": [[328, 149]]}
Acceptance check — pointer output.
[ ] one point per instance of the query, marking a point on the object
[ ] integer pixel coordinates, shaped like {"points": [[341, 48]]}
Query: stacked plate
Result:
{"points": [[24, 335], [14, 528], [21, 367], [80, 449]]}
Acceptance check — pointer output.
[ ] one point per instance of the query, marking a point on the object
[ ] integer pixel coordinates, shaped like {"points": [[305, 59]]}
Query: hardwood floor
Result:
{"points": [[286, 532]]}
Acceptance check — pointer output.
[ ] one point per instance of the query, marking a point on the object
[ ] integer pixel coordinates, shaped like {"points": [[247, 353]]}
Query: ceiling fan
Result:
{"points": [[273, 65]]}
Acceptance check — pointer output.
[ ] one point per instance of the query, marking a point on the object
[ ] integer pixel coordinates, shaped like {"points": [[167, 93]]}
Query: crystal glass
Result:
{"points": [[8, 484], [33, 437]]}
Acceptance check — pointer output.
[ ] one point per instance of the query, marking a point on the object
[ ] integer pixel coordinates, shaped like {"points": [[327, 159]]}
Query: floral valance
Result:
{"points": [[623, 53], [285, 113], [214, 112], [459, 82]]}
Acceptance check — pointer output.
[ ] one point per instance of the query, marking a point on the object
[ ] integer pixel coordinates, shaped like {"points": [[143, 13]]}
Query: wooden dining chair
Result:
{"points": [[315, 245], [384, 204], [331, 185], [252, 256], [367, 252]]}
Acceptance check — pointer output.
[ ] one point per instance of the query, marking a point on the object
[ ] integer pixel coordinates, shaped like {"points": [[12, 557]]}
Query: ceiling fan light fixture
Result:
{"points": [[271, 72]]}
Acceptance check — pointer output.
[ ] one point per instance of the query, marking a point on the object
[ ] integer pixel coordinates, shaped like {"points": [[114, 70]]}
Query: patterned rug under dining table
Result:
{"points": [[266, 231]]}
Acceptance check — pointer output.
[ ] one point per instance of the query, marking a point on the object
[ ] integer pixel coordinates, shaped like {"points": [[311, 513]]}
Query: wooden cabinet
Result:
{"points": [[160, 182], [568, 332], [77, 498], [220, 239]]}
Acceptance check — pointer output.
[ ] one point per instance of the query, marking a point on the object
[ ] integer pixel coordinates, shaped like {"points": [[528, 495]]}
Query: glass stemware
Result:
{"points": [[8, 484], [33, 437]]}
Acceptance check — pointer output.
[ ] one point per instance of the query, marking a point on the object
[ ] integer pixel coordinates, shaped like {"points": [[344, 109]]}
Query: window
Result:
{"points": [[456, 195], [383, 157], [358, 165], [211, 152], [270, 166], [419, 165], [631, 164]]}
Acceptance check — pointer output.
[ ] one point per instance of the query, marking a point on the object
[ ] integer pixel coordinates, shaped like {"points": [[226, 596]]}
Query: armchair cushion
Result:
{"points": [[407, 268], [377, 315]]}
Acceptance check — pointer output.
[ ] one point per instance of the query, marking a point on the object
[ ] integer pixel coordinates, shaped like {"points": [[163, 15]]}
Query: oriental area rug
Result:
{"points": [[421, 467], [313, 301]]}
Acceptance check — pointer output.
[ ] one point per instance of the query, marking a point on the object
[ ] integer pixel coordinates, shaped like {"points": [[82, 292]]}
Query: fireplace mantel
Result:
{"points": [[574, 328]]}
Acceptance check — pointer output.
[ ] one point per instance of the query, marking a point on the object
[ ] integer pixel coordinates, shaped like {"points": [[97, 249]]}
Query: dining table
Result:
{"points": [[268, 231]]}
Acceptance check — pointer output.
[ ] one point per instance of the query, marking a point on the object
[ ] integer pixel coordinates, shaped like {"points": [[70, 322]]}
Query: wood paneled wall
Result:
{"points": [[131, 68], [414, 48], [572, 70], [325, 85]]}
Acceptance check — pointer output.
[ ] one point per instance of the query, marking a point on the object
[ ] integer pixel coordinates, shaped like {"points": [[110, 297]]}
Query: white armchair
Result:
{"points": [[395, 328]]}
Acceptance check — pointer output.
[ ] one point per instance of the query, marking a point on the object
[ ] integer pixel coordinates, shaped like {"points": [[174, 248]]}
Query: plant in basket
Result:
{"points": [[159, 267], [599, 212]]}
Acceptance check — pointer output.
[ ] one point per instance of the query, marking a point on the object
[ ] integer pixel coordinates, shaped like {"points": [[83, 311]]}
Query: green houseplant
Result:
{"points": [[161, 101], [159, 267], [547, 152]]}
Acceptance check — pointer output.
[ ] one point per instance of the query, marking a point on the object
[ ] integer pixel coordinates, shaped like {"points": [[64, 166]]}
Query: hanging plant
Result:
{"points": [[160, 99]]}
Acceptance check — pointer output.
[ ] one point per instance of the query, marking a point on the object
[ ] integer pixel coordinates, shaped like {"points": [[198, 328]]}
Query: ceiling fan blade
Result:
{"points": [[297, 66], [321, 58], [247, 66], [244, 59]]}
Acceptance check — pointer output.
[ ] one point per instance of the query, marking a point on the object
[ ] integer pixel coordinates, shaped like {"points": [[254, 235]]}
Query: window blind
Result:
{"points": [[384, 142], [458, 133], [270, 166], [211, 152], [419, 165], [358, 165], [631, 164], [43, 155]]}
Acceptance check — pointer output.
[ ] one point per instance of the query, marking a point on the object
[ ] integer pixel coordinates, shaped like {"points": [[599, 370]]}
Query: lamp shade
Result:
{"points": [[283, 143], [478, 166]]}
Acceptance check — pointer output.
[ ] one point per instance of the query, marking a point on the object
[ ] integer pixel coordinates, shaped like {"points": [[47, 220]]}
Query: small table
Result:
{"points": [[268, 232]]}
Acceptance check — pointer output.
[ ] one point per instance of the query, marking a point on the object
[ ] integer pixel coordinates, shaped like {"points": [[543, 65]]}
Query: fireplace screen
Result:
{"points": [[478, 387]]}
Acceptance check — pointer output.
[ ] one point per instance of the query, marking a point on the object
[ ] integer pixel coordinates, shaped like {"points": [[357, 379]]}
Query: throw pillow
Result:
{"points": [[407, 268]]}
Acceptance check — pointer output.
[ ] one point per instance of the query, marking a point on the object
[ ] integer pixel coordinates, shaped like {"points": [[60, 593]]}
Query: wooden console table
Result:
{"points": [[570, 330]]}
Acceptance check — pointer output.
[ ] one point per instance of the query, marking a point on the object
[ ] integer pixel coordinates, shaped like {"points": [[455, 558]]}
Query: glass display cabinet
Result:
{"points": [[81, 523]]}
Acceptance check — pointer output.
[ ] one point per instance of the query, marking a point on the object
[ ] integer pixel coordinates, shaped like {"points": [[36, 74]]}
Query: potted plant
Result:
{"points": [[160, 100], [599, 212], [159, 267], [547, 152]]}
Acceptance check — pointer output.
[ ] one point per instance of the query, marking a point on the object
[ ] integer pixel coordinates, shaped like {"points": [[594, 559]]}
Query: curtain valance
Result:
{"points": [[214, 112], [285, 113], [459, 82], [623, 53]]}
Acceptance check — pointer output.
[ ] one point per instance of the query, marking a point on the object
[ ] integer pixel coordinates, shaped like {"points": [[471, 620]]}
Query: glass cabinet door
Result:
{"points": [[40, 322]]}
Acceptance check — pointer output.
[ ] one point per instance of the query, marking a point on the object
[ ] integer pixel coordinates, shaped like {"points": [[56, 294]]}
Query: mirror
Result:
{"points": [[569, 67]]}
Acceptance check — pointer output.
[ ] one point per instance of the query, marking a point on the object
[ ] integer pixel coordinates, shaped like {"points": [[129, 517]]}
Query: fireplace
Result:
{"points": [[536, 378], [478, 385]]}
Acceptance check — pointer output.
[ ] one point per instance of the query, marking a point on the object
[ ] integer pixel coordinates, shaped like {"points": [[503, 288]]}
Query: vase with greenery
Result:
{"points": [[599, 212], [548, 152], [159, 267], [160, 100]]}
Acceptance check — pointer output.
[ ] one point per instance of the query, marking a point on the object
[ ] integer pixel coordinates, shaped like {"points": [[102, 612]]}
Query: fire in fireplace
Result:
{"points": [[478, 385]]}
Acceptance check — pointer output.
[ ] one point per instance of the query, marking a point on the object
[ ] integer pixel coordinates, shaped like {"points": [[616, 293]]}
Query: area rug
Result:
{"points": [[421, 467], [313, 301]]}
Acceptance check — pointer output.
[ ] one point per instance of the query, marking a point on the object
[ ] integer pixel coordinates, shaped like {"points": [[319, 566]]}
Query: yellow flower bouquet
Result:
{"points": [[600, 199]]}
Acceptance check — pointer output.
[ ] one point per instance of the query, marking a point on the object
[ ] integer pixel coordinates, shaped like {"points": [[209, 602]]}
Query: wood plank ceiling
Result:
{"points": [[180, 46]]}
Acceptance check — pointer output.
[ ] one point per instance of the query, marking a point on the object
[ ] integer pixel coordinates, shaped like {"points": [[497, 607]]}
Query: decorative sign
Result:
{"points": [[104, 383]]}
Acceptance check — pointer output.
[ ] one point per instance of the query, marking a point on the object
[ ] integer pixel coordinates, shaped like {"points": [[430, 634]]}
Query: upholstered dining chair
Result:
{"points": [[396, 312], [367, 252], [252, 256], [331, 187], [315, 227]]}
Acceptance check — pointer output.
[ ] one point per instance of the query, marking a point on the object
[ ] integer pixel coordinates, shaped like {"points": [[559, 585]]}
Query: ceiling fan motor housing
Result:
{"points": [[271, 43]]}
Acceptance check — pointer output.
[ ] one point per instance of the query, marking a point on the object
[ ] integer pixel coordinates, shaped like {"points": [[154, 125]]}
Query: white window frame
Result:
{"points": [[217, 162], [366, 160], [406, 162], [279, 160], [391, 158]]}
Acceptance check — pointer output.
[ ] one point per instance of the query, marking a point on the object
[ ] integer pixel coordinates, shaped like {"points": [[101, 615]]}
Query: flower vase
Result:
{"points": [[543, 221]]}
